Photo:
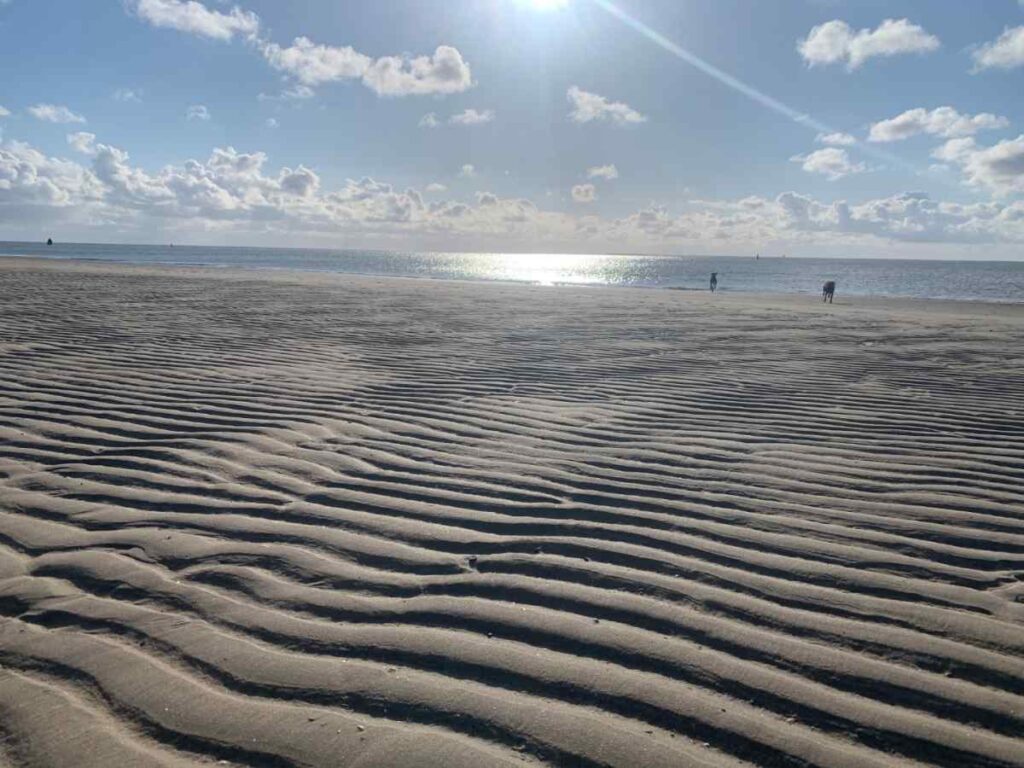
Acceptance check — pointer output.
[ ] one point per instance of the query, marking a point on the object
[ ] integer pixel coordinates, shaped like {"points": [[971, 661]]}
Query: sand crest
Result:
{"points": [[278, 519]]}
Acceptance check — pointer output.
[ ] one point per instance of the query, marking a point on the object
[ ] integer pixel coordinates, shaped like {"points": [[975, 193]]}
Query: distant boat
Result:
{"points": [[49, 241]]}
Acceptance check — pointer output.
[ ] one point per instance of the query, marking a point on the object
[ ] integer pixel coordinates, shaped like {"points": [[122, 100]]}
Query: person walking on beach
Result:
{"points": [[714, 281], [828, 290]]}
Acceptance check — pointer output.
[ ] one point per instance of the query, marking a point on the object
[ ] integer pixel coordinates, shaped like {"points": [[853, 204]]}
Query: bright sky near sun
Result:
{"points": [[813, 127]]}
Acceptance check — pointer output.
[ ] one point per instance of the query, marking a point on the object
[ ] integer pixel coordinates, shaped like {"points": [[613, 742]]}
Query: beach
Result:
{"points": [[267, 518]]}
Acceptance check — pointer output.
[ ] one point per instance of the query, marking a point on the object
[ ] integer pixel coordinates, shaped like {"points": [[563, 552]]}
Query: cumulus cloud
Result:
{"points": [[301, 182], [230, 185], [429, 120], [313, 64], [1005, 52], [467, 171], [310, 63], [195, 18], [83, 142], [4, 112], [954, 150], [271, 122], [835, 41], [943, 121], [999, 168], [197, 112], [584, 193], [235, 191], [836, 139], [435, 186], [832, 162], [28, 178], [472, 117], [445, 71], [608, 172], [54, 113], [907, 217], [588, 107]]}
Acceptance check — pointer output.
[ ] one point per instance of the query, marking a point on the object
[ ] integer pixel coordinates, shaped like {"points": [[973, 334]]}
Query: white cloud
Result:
{"points": [[584, 193], [835, 41], [197, 112], [4, 112], [837, 139], [603, 172], [301, 182], [954, 150], [472, 117], [943, 121], [1005, 52], [467, 171], [831, 162], [313, 64], [83, 142], [587, 107], [54, 113], [465, 117], [128, 94], [443, 72], [234, 192], [906, 217], [436, 187], [271, 122], [999, 168], [28, 178], [196, 19]]}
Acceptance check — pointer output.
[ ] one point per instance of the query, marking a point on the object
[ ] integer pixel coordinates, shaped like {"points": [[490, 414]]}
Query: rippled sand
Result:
{"points": [[275, 519]]}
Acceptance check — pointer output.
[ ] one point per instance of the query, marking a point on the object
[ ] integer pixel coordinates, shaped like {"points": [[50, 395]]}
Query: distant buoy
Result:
{"points": [[49, 241]]}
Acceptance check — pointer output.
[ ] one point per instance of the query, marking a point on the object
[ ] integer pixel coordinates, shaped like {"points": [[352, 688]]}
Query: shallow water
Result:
{"points": [[970, 280]]}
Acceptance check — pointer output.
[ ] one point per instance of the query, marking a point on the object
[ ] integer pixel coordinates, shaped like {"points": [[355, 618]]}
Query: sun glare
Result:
{"points": [[548, 5]]}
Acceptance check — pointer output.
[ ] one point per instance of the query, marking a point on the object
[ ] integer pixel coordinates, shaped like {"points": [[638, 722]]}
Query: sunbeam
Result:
{"points": [[752, 93]]}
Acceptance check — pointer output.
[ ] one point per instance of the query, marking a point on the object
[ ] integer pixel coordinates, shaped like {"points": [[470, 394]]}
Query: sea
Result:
{"points": [[1000, 281]]}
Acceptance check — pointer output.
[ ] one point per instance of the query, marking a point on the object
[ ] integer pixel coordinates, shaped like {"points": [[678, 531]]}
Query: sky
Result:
{"points": [[847, 128]]}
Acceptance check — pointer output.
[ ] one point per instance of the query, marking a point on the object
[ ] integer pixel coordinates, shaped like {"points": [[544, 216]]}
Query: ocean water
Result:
{"points": [[968, 280]]}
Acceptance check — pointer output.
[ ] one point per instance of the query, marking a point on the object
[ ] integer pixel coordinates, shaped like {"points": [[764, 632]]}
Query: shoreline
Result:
{"points": [[323, 249], [1010, 309]]}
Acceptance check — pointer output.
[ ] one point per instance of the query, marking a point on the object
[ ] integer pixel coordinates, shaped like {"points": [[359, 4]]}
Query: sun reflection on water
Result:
{"points": [[554, 268]]}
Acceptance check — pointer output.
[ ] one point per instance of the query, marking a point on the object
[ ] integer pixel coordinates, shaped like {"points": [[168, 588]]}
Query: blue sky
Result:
{"points": [[580, 125]]}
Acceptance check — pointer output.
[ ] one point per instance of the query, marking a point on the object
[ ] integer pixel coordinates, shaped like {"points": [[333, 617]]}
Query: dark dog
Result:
{"points": [[828, 290]]}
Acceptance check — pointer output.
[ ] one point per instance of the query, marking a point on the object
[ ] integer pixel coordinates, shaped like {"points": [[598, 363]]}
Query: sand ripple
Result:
{"points": [[346, 521]]}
